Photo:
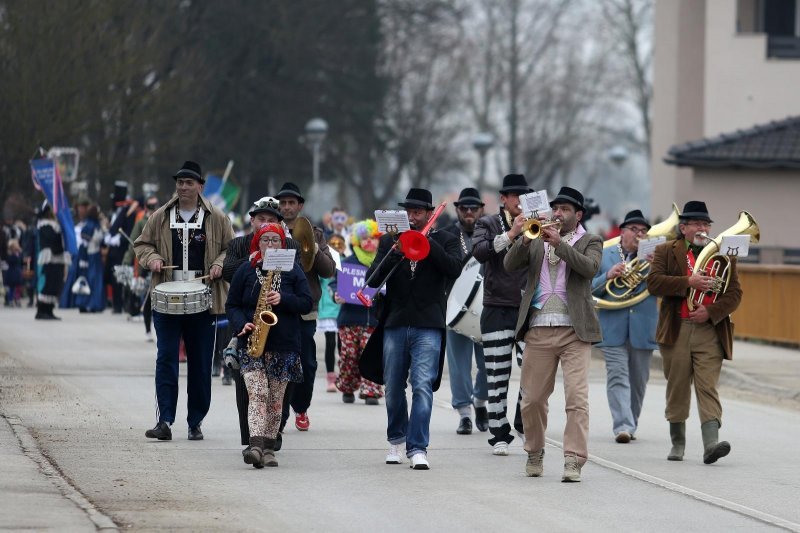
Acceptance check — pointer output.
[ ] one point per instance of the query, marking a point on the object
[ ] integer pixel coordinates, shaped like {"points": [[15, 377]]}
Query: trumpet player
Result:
{"points": [[558, 322], [628, 332], [692, 343], [502, 290], [267, 374]]}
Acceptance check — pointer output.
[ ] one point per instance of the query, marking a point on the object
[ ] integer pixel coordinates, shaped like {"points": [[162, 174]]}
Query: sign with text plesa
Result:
{"points": [[350, 279]]}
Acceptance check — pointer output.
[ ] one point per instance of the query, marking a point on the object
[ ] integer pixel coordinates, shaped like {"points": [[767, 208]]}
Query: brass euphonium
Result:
{"points": [[263, 318], [718, 266], [622, 290]]}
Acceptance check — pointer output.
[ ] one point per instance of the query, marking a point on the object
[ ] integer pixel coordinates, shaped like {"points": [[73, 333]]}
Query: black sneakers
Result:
{"points": [[160, 432]]}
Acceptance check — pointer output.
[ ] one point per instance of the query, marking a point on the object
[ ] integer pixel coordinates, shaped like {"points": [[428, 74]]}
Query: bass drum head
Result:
{"points": [[465, 303]]}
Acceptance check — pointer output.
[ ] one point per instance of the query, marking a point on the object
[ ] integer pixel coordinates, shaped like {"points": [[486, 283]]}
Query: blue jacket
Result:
{"points": [[295, 301], [637, 323]]}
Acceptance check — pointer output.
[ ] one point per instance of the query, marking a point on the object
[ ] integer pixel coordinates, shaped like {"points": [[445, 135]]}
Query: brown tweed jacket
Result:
{"points": [[668, 279], [583, 260]]}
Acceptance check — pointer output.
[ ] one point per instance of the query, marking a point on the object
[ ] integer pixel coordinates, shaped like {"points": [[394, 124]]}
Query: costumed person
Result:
{"points": [[338, 226], [189, 233], [298, 395], [328, 312], [408, 346], [12, 273], [265, 210], [90, 264], [558, 323], [267, 370], [502, 294], [693, 341], [68, 297], [51, 260], [357, 322], [467, 394], [124, 217]]}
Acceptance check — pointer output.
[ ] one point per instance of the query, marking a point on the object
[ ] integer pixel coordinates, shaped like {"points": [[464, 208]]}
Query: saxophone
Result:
{"points": [[263, 318]]}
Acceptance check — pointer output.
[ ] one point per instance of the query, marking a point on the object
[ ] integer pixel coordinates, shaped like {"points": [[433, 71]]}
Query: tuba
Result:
{"points": [[622, 290], [718, 266], [263, 318]]}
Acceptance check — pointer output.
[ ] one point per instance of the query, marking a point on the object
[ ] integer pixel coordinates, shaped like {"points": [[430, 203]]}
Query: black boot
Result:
{"points": [[269, 453], [254, 455], [712, 448], [677, 432]]}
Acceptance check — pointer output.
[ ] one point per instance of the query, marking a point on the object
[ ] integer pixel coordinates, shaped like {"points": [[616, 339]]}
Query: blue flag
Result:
{"points": [[47, 179]]}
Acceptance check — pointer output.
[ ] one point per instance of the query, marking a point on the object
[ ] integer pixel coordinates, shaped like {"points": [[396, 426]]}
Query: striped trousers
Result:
{"points": [[497, 333]]}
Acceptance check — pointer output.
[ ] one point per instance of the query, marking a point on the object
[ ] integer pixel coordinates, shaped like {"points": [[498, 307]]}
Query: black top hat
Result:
{"points": [[515, 183], [120, 191], [635, 217], [290, 189], [190, 169], [418, 198], [694, 210], [267, 204], [469, 196], [568, 194]]}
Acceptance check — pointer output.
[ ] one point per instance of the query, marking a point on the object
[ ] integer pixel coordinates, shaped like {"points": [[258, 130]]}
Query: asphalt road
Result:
{"points": [[79, 395]]}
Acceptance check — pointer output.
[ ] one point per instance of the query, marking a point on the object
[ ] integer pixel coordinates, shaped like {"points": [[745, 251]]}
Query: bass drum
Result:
{"points": [[465, 303]]}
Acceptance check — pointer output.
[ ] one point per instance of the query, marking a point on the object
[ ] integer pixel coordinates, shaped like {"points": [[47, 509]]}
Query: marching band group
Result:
{"points": [[495, 287]]}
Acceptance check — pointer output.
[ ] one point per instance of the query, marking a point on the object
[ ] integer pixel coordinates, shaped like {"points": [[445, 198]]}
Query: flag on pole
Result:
{"points": [[47, 179], [221, 191]]}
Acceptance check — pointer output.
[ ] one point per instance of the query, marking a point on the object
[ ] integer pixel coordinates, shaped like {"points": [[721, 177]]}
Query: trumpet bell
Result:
{"points": [[414, 245], [532, 228], [303, 233]]}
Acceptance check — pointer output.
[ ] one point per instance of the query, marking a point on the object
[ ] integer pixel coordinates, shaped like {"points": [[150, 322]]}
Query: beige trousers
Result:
{"points": [[696, 356], [544, 348]]}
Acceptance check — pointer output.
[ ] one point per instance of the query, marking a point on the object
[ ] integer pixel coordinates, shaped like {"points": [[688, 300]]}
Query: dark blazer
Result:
{"points": [[420, 301], [668, 278], [583, 260], [295, 301], [501, 288]]}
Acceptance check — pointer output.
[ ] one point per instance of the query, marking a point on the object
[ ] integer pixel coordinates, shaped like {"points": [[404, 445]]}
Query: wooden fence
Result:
{"points": [[770, 308]]}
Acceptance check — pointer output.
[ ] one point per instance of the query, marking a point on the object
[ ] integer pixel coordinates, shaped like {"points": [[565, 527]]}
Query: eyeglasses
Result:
{"points": [[469, 208], [698, 224], [270, 240], [152, 206], [638, 231]]}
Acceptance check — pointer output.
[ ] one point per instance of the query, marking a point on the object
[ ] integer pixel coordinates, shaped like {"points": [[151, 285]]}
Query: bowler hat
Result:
{"points": [[469, 196], [694, 210], [419, 199], [568, 194], [290, 189], [515, 183], [190, 169], [267, 204], [635, 217]]}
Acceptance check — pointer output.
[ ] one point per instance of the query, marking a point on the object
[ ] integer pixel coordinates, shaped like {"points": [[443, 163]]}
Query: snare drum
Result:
{"points": [[181, 297], [465, 304]]}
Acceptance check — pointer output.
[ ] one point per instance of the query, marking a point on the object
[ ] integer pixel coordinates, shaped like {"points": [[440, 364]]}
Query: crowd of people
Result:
{"points": [[217, 300]]}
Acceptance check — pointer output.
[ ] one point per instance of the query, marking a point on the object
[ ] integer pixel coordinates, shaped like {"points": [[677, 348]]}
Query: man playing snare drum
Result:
{"points": [[183, 240]]}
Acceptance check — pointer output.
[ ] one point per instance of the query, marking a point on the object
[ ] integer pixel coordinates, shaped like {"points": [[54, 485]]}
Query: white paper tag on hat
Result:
{"points": [[392, 221], [534, 202], [279, 259], [735, 245]]}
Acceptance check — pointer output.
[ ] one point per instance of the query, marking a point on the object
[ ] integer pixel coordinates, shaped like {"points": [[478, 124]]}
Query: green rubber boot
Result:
{"points": [[713, 449], [677, 432]]}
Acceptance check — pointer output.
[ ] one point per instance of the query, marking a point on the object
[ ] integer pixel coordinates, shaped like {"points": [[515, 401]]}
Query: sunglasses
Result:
{"points": [[152, 206], [268, 203], [469, 208]]}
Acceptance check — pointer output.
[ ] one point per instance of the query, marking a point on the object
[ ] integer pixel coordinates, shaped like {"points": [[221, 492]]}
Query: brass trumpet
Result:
{"points": [[532, 228]]}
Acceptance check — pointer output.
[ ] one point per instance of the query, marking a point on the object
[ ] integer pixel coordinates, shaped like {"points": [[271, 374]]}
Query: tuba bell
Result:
{"points": [[303, 233], [718, 266], [622, 290]]}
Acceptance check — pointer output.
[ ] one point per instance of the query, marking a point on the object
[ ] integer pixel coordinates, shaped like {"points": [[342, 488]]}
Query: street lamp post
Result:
{"points": [[482, 142], [316, 130]]}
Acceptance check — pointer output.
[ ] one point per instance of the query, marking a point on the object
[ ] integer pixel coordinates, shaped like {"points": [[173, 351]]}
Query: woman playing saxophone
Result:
{"points": [[286, 294]]}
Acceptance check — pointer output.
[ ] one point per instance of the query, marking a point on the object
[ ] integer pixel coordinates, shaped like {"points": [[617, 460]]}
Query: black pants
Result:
{"points": [[298, 395]]}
